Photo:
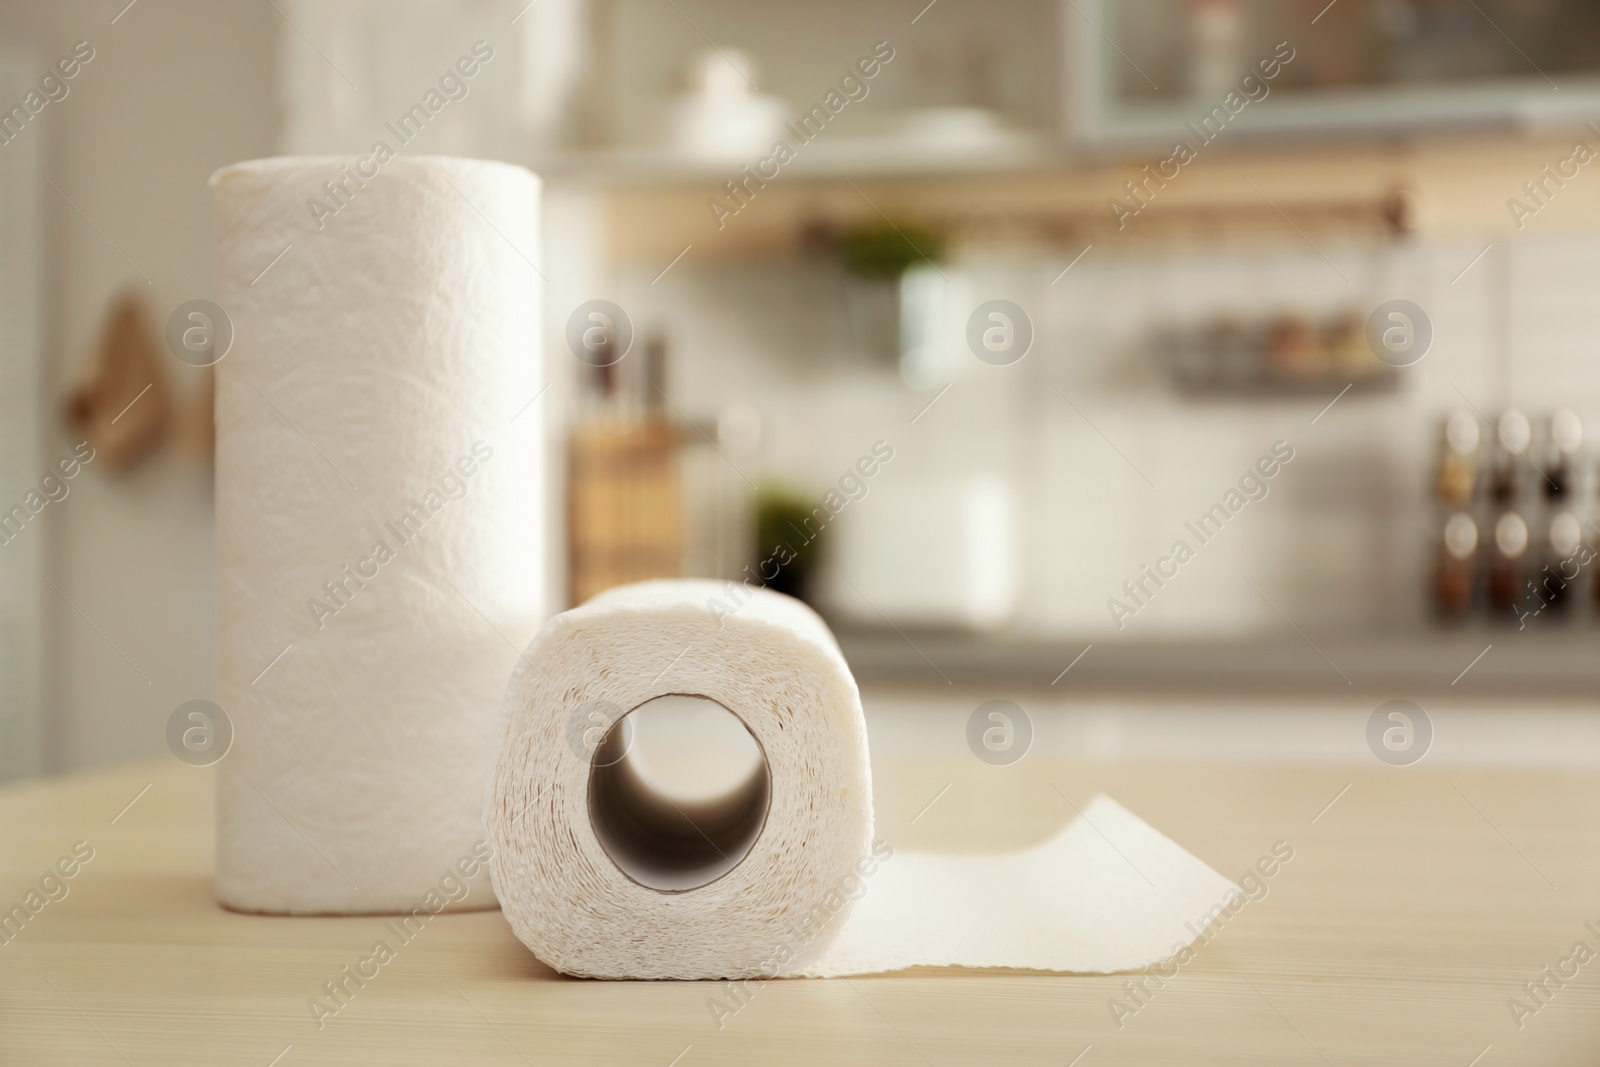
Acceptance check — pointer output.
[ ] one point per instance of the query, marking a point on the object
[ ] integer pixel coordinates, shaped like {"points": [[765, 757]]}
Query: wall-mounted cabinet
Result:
{"points": [[1150, 70]]}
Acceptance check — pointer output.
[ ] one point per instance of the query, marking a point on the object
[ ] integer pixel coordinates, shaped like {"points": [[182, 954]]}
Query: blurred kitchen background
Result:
{"points": [[790, 369]]}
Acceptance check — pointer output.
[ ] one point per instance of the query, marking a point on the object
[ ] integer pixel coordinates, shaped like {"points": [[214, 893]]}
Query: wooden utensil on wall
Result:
{"points": [[121, 405]]}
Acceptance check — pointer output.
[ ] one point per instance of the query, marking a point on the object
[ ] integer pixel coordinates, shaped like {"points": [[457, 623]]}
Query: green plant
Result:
{"points": [[783, 541], [887, 251]]}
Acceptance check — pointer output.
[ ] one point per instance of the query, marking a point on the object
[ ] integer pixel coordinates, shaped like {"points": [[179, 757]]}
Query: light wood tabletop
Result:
{"points": [[1418, 904]]}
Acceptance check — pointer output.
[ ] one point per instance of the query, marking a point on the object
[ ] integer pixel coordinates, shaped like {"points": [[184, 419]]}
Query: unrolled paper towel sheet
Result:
{"points": [[378, 534], [816, 894]]}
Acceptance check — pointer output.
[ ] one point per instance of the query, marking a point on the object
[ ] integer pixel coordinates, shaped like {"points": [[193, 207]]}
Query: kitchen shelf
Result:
{"points": [[1371, 385], [1286, 388], [657, 205], [1531, 662], [824, 161]]}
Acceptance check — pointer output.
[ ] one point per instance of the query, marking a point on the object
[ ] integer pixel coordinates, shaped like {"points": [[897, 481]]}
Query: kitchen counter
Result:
{"points": [[1417, 903], [1464, 662]]}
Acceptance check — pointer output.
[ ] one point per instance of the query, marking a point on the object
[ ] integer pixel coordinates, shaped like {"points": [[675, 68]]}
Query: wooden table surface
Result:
{"points": [[1417, 905]]}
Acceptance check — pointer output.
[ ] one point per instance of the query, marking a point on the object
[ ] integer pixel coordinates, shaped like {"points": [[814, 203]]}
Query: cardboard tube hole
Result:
{"points": [[678, 792]]}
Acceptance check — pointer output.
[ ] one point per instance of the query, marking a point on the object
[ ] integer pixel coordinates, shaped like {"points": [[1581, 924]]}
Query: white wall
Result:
{"points": [[176, 88], [1342, 543]]}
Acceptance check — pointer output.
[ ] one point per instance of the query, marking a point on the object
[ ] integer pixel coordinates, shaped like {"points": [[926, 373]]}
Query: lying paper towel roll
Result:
{"points": [[603, 877], [377, 503]]}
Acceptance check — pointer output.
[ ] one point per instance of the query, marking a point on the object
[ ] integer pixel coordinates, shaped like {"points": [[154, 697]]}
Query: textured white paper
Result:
{"points": [[385, 335], [1106, 893], [816, 895]]}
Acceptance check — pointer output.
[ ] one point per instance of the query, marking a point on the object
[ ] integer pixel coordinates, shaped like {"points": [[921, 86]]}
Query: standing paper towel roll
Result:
{"points": [[378, 542], [603, 875]]}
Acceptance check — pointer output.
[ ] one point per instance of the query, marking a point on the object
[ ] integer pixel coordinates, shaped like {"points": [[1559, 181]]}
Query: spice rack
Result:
{"points": [[1286, 355], [1513, 521]]}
